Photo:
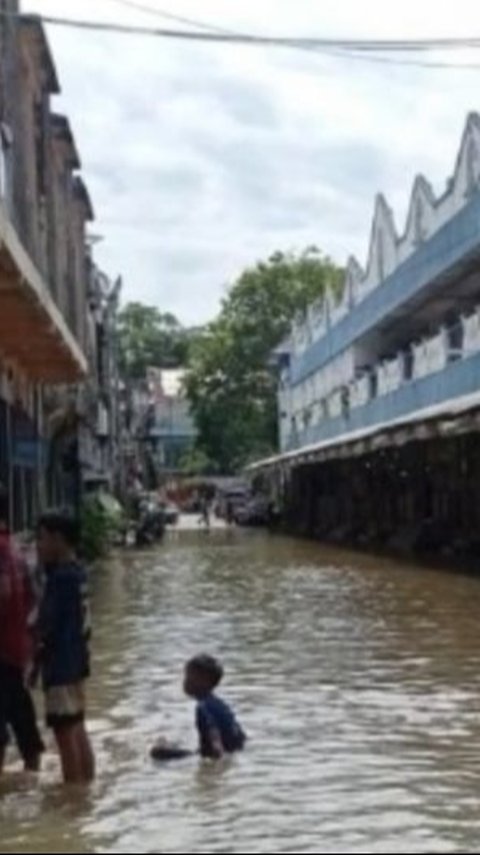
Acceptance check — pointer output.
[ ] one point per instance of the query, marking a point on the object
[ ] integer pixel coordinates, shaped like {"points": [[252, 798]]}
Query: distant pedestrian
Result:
{"points": [[65, 636], [205, 513], [230, 513], [17, 603]]}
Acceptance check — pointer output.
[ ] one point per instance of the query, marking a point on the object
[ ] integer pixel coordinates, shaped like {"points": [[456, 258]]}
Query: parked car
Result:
{"points": [[231, 501], [254, 512]]}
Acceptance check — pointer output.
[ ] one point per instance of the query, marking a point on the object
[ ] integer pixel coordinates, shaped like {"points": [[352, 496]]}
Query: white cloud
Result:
{"points": [[203, 159]]}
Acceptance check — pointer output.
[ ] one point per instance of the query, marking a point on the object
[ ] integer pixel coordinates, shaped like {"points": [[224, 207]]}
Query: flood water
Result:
{"points": [[357, 679]]}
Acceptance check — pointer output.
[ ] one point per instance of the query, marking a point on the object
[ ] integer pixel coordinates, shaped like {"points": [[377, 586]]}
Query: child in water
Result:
{"points": [[219, 731]]}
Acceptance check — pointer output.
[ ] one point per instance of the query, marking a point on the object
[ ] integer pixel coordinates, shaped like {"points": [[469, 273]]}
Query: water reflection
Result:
{"points": [[356, 679]]}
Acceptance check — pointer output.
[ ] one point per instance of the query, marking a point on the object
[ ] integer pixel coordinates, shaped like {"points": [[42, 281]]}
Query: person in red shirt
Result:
{"points": [[17, 711]]}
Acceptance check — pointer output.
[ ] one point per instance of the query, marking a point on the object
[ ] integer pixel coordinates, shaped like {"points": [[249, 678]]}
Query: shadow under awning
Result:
{"points": [[33, 332]]}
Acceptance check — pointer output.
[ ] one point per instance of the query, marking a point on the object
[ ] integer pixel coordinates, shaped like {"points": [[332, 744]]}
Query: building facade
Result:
{"points": [[46, 306], [379, 392], [169, 426], [161, 426], [405, 335]]}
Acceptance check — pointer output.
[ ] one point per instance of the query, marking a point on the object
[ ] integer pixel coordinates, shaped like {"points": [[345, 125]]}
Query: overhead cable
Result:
{"points": [[156, 12], [379, 45], [364, 50]]}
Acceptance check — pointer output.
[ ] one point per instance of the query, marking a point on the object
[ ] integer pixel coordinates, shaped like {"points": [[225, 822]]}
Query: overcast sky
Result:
{"points": [[201, 160]]}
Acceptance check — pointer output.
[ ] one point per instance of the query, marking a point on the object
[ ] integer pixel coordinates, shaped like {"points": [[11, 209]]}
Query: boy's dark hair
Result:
{"points": [[209, 667], [62, 523]]}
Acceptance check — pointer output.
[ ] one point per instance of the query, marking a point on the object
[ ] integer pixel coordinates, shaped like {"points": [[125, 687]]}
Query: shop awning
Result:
{"points": [[33, 331], [454, 417]]}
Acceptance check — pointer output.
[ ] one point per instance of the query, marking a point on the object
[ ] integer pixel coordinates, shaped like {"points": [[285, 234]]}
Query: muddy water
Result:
{"points": [[358, 681]]}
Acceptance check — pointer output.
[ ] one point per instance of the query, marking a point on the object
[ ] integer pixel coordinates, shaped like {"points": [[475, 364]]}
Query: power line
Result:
{"points": [[375, 46], [203, 25], [409, 63], [362, 50], [170, 16], [341, 54], [381, 60]]}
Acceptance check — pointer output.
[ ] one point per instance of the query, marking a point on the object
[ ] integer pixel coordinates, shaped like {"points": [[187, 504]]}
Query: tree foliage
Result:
{"points": [[149, 338], [195, 462], [231, 386]]}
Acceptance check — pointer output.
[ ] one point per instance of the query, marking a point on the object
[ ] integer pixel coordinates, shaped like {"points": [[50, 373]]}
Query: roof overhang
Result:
{"points": [[33, 332], [62, 131], [32, 26], [451, 418]]}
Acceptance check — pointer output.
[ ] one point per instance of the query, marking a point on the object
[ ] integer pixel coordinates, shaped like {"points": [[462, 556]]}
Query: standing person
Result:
{"points": [[17, 710], [205, 513], [230, 513], [65, 635]]}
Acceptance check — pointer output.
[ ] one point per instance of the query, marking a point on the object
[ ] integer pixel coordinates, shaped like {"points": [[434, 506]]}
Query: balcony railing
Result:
{"points": [[431, 373], [441, 257]]}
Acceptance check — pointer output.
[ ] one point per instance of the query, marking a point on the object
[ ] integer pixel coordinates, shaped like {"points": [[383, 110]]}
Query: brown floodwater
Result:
{"points": [[357, 679]]}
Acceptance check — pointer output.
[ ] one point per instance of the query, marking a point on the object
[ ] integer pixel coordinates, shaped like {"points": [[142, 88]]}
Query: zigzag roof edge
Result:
{"points": [[421, 186]]}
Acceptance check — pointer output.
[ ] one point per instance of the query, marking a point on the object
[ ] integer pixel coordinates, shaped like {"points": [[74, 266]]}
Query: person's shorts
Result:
{"points": [[17, 714], [65, 705]]}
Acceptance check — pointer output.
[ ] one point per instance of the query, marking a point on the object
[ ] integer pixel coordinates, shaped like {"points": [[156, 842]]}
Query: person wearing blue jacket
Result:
{"points": [[64, 645]]}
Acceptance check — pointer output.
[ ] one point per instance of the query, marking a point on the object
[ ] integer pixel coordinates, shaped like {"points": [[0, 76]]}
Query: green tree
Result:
{"points": [[149, 338], [195, 462], [232, 388]]}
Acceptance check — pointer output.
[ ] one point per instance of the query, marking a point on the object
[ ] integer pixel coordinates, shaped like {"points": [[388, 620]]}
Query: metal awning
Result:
{"points": [[453, 417], [33, 331]]}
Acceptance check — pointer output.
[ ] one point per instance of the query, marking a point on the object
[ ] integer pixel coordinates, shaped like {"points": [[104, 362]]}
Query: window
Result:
{"points": [[408, 362]]}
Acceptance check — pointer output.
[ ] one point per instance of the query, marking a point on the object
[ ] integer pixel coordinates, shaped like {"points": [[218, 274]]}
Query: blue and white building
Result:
{"points": [[403, 341]]}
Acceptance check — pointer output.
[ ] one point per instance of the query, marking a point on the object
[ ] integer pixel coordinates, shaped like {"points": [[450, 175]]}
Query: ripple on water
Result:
{"points": [[357, 681]]}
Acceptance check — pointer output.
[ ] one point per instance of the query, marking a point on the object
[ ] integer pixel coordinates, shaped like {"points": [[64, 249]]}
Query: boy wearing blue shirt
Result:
{"points": [[64, 654], [219, 731], [218, 728]]}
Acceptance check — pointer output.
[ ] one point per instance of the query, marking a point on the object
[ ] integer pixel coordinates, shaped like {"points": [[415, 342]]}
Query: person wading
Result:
{"points": [[17, 711]]}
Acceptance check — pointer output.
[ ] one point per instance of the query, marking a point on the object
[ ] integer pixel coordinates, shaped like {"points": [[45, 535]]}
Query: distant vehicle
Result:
{"points": [[171, 514], [255, 512], [150, 525], [230, 502]]}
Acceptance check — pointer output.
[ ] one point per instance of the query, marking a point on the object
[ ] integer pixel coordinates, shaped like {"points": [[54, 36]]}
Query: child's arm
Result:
{"points": [[216, 745], [211, 742], [165, 752]]}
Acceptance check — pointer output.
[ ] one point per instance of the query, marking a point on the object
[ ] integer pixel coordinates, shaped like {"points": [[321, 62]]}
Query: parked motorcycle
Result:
{"points": [[151, 524]]}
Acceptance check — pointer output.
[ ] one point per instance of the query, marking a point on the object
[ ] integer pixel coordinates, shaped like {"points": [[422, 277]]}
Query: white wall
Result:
{"points": [[389, 375], [471, 333], [427, 213]]}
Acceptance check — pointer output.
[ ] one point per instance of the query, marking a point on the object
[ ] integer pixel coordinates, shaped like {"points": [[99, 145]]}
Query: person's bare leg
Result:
{"points": [[70, 755], [26, 731], [33, 763], [86, 753]]}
